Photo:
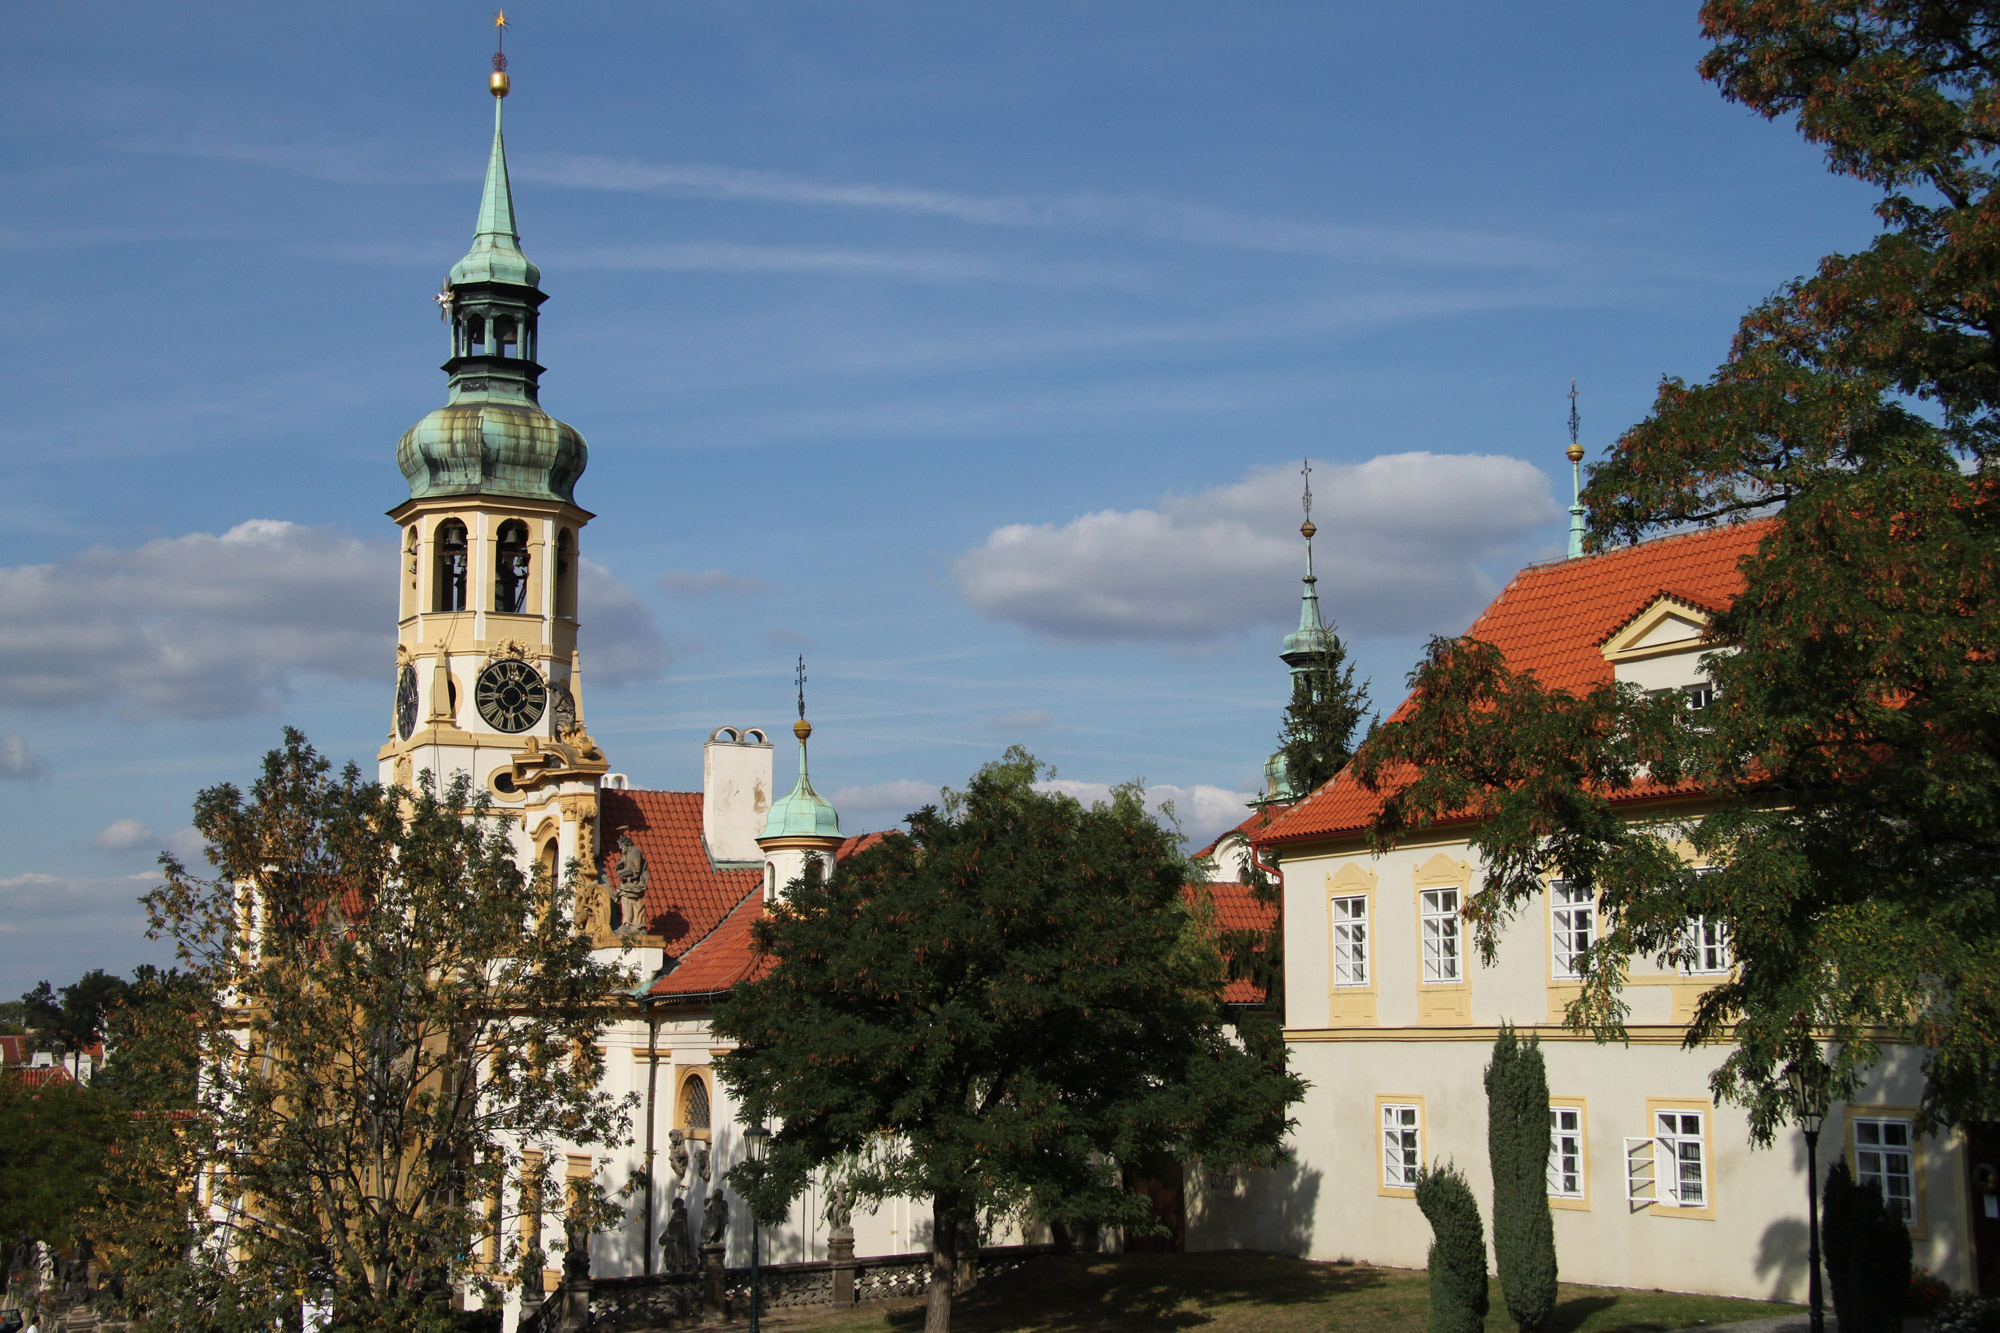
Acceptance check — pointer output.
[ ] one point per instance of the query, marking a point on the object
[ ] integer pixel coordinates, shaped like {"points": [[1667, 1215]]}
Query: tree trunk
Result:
{"points": [[945, 1209]]}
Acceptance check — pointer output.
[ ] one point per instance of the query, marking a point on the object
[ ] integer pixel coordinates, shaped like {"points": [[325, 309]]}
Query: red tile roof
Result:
{"points": [[1256, 823], [723, 956], [686, 895], [1552, 620], [16, 1050], [40, 1076], [1235, 909]]}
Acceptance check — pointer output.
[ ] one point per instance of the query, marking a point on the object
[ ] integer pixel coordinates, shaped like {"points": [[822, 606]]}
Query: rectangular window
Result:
{"points": [[1402, 1145], [1440, 913], [1884, 1156], [1572, 926], [1566, 1152], [1681, 1167], [1707, 949], [1700, 698], [1350, 941]]}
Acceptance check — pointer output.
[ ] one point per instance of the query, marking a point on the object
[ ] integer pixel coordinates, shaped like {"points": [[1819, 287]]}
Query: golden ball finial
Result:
{"points": [[1574, 452], [498, 83], [802, 728], [1307, 529]]}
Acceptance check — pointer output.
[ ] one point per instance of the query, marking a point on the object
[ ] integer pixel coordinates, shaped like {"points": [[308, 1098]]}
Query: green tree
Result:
{"points": [[1458, 1250], [1854, 746], [1011, 1003], [1867, 1255], [380, 1005], [1517, 1146], [1326, 710], [55, 1137]]}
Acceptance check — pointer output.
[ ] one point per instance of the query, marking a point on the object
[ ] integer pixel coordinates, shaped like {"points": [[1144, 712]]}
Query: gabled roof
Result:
{"points": [[725, 954], [1256, 823], [41, 1076], [1551, 620], [687, 894]]}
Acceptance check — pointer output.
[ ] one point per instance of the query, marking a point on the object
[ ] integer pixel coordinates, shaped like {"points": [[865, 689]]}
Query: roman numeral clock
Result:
{"points": [[510, 695]]}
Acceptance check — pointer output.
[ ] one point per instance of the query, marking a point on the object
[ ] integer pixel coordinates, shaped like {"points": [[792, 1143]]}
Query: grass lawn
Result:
{"points": [[1253, 1293]]}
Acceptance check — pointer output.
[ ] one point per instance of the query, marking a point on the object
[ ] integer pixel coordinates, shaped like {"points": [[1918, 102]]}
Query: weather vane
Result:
{"points": [[1572, 414], [802, 686], [1306, 471], [500, 38]]}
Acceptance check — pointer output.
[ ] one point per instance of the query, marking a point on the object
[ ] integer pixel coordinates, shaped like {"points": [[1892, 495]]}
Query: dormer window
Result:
{"points": [[510, 568], [1660, 650], [451, 565]]}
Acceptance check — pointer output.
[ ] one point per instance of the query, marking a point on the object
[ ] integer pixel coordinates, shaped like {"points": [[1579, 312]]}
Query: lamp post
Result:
{"points": [[1808, 1079], [754, 1140]]}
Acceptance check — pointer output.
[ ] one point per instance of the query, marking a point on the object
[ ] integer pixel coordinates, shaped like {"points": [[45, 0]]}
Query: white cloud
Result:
{"points": [[881, 803], [709, 580], [205, 626], [124, 835], [1028, 719], [1202, 811], [1401, 541], [61, 927], [18, 762]]}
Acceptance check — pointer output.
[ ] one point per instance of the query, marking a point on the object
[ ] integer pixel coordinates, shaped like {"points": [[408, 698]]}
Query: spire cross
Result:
{"points": [[802, 685], [1306, 471], [1572, 413]]}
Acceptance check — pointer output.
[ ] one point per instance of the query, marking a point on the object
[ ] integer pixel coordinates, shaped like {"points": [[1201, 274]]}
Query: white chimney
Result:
{"points": [[40, 1060], [735, 792]]}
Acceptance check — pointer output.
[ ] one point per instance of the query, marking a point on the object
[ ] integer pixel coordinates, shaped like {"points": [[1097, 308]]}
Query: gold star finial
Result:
{"points": [[498, 82]]}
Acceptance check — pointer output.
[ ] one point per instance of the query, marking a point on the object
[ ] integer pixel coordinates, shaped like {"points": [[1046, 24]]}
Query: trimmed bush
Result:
{"points": [[1867, 1255], [1458, 1250], [1965, 1313], [1517, 1145]]}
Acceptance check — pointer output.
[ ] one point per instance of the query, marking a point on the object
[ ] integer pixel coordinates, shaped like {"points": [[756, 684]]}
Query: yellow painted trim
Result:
{"points": [[1654, 1105], [1874, 1111], [1382, 1099], [1582, 1107], [1443, 1003], [1352, 1004], [1618, 648], [695, 1073], [1562, 990]]}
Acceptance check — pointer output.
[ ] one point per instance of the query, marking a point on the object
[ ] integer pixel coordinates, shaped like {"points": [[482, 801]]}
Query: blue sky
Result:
{"points": [[970, 351]]}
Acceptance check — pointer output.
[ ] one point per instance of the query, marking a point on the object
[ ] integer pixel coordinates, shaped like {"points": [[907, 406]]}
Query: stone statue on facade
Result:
{"points": [[701, 1160], [677, 1153], [632, 874], [576, 1250], [714, 1218], [840, 1208], [676, 1245]]}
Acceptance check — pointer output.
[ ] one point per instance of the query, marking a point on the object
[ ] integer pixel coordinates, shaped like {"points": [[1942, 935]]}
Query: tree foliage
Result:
{"points": [[1854, 745], [1011, 1003], [1867, 1255], [55, 1138], [1517, 1147], [1458, 1250], [1326, 709], [380, 1002]]}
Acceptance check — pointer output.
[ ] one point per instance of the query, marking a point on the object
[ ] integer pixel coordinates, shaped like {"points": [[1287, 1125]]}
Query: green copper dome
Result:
{"points": [[803, 812], [492, 436]]}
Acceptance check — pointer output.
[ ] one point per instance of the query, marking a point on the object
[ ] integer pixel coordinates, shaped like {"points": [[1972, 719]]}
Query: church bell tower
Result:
{"points": [[488, 676]]}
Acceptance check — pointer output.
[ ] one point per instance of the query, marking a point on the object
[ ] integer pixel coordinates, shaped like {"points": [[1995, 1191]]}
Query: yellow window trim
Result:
{"points": [[1443, 1003], [1654, 1105], [1920, 1229], [1352, 1006], [1382, 1099], [1582, 1107]]}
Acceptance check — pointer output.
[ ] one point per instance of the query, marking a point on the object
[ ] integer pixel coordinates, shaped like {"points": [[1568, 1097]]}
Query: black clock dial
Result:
{"points": [[563, 704], [511, 695], [406, 701]]}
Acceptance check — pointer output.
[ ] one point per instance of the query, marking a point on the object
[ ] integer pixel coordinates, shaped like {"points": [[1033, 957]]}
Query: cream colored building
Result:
{"points": [[1390, 1016]]}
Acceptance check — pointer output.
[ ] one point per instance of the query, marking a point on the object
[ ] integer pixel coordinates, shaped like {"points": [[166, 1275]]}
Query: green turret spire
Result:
{"points": [[1306, 643], [492, 437], [803, 813], [1575, 455]]}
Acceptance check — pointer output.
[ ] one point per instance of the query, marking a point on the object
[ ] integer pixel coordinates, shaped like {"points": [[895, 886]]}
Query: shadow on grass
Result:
{"points": [[1094, 1294], [1569, 1315]]}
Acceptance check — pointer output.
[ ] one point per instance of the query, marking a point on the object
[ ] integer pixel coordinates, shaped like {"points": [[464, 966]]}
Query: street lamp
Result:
{"points": [[1808, 1079], [755, 1140]]}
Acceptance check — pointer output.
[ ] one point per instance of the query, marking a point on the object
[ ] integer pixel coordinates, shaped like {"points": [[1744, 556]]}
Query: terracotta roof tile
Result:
{"points": [[1551, 620], [16, 1050], [721, 960], [860, 842], [686, 894], [41, 1076], [1235, 909]]}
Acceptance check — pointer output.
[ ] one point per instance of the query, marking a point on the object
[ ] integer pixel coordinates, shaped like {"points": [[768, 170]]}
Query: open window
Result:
{"points": [[510, 567], [452, 552]]}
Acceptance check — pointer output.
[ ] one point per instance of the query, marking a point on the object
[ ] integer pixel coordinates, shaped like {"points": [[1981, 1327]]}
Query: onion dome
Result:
{"points": [[802, 812]]}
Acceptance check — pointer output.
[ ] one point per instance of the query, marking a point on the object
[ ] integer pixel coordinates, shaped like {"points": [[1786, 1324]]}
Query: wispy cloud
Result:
{"points": [[18, 762]]}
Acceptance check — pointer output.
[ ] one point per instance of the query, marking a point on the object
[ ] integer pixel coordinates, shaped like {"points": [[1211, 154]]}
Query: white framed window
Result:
{"points": [[1402, 1144], [1572, 926], [1681, 1158], [1566, 1164], [1885, 1156], [1350, 940], [1441, 935], [1706, 950]]}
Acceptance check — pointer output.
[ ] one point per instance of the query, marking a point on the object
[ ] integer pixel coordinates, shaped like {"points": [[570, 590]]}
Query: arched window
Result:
{"points": [[548, 860], [694, 1105], [475, 335], [510, 567], [451, 566], [503, 337], [565, 574]]}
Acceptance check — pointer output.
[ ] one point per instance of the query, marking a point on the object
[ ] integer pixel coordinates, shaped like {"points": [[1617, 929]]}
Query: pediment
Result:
{"points": [[1666, 625]]}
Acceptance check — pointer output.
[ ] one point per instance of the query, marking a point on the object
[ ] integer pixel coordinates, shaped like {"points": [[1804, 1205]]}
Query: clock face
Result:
{"points": [[563, 704], [511, 695], [406, 701]]}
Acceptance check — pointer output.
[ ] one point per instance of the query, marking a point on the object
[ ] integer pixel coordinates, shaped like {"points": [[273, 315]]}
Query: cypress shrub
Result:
{"points": [[1867, 1252], [1517, 1144], [1458, 1250]]}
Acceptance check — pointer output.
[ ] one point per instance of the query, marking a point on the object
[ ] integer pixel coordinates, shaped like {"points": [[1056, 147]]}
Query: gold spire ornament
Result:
{"points": [[498, 83]]}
